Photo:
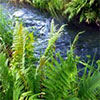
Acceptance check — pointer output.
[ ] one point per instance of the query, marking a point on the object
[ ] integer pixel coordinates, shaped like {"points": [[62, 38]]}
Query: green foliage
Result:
{"points": [[88, 87], [23, 69], [87, 10], [2, 45], [89, 83], [61, 78], [57, 4], [41, 4], [54, 78], [5, 28], [20, 74], [19, 41], [54, 35], [6, 79], [54, 6]]}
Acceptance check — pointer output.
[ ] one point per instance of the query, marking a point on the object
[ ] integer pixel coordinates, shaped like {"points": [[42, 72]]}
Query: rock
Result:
{"points": [[19, 13]]}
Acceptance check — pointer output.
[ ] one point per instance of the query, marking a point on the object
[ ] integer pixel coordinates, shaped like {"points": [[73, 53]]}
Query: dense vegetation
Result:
{"points": [[53, 78], [85, 10]]}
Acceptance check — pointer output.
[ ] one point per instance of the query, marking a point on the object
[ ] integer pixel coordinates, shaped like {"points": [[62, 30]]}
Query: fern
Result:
{"points": [[18, 88], [30, 96], [54, 36], [88, 87], [89, 82], [61, 78], [18, 46], [6, 79], [23, 63], [54, 78], [18, 61]]}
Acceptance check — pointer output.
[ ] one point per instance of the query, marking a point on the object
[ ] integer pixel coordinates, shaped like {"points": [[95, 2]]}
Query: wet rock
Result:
{"points": [[19, 13]]}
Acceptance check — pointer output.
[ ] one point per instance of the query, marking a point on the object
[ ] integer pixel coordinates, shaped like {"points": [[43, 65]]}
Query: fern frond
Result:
{"points": [[18, 87], [18, 61], [88, 87], [6, 79], [19, 38], [30, 96], [54, 36], [59, 78]]}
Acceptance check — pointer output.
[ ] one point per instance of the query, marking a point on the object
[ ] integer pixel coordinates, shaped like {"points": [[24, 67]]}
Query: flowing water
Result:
{"points": [[39, 22]]}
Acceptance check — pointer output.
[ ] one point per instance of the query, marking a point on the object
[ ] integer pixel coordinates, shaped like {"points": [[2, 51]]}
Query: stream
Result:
{"points": [[39, 22]]}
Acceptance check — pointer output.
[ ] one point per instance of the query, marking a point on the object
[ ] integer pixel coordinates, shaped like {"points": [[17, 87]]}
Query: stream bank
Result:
{"points": [[39, 23]]}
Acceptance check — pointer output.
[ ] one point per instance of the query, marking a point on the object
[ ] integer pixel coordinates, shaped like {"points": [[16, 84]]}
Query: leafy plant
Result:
{"points": [[5, 33], [86, 10], [54, 78], [6, 79], [5, 28], [22, 68], [20, 77]]}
